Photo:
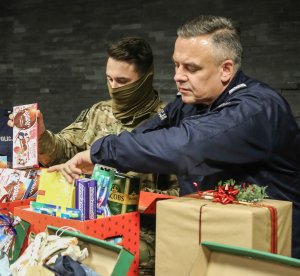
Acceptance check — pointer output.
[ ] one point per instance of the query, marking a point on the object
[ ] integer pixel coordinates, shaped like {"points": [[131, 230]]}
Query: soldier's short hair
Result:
{"points": [[134, 50]]}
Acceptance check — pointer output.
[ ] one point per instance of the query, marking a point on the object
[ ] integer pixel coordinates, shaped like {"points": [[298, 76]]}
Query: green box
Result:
{"points": [[124, 195], [104, 257], [226, 260]]}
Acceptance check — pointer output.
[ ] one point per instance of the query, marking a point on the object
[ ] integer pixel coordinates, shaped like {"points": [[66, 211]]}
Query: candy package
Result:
{"points": [[25, 136]]}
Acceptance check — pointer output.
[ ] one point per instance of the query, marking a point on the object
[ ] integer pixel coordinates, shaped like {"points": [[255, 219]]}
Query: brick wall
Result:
{"points": [[53, 52]]}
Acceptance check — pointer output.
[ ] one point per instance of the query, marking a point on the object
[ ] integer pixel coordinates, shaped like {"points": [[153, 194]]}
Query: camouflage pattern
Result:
{"points": [[91, 124]]}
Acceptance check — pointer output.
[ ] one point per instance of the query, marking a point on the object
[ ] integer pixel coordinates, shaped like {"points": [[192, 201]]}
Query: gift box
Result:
{"points": [[225, 260], [182, 223], [147, 201], [8, 207], [126, 226], [104, 257]]}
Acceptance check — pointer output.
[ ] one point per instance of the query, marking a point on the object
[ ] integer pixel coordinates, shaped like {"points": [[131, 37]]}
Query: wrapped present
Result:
{"points": [[13, 232], [227, 260], [182, 223], [147, 201]]}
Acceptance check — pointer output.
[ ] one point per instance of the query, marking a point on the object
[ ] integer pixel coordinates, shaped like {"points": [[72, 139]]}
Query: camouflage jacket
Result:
{"points": [[91, 124]]}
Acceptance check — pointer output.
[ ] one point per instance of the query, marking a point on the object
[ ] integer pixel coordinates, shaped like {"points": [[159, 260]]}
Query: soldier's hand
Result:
{"points": [[40, 121], [79, 164]]}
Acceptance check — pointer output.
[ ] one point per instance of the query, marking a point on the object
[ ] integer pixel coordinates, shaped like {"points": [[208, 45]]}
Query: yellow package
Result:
{"points": [[55, 189]]}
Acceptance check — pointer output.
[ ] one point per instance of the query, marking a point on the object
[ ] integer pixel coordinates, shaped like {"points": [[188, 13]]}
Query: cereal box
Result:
{"points": [[25, 137]]}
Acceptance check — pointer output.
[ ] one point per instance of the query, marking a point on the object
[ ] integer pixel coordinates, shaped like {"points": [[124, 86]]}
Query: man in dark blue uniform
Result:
{"points": [[5, 135], [223, 125]]}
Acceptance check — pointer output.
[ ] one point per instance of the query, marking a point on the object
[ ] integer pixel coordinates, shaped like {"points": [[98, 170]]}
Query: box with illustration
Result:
{"points": [[25, 136]]}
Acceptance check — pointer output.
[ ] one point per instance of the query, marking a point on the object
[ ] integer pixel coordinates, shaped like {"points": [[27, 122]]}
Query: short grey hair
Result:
{"points": [[224, 36]]}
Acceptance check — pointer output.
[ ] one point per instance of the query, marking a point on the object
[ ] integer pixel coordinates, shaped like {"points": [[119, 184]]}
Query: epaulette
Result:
{"points": [[82, 115], [236, 88]]}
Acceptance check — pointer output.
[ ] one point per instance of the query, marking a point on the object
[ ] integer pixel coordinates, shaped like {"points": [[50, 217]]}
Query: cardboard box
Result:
{"points": [[8, 207], [147, 201], [104, 257], [182, 223], [225, 260], [125, 225]]}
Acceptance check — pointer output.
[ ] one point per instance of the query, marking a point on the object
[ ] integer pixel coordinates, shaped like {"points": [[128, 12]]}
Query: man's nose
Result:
{"points": [[114, 84], [180, 75]]}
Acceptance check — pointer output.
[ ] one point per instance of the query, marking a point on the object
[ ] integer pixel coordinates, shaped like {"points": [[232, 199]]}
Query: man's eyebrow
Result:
{"points": [[122, 78], [190, 64]]}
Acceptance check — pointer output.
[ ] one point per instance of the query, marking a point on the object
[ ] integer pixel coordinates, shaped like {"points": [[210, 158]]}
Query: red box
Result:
{"points": [[7, 207], [147, 201], [125, 225]]}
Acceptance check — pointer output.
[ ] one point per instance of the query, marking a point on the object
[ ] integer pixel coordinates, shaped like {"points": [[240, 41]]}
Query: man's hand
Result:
{"points": [[40, 121], [80, 163]]}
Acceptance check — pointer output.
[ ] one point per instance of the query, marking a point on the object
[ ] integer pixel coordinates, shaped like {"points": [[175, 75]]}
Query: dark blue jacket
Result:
{"points": [[5, 135], [248, 134]]}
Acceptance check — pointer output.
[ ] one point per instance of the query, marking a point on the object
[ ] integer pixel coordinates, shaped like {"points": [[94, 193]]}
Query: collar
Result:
{"points": [[238, 82]]}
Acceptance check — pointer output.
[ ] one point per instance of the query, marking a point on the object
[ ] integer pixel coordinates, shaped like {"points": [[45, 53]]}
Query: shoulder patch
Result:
{"points": [[82, 115], [162, 115], [236, 88]]}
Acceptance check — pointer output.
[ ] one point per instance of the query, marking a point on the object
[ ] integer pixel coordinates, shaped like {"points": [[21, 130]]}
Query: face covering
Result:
{"points": [[134, 102]]}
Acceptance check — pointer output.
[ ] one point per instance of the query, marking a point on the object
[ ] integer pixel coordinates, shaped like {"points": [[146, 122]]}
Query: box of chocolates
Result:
{"points": [[25, 136]]}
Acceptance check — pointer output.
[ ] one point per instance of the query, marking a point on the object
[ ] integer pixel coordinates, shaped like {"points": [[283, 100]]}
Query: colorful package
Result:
{"points": [[85, 199], [15, 182], [3, 162], [124, 195], [104, 177], [25, 136], [55, 189], [34, 175]]}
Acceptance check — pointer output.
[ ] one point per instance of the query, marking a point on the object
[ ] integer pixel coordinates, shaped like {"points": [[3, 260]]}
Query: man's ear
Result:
{"points": [[227, 72]]}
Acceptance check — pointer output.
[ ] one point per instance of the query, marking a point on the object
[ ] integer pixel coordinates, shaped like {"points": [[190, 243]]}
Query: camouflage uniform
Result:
{"points": [[90, 125]]}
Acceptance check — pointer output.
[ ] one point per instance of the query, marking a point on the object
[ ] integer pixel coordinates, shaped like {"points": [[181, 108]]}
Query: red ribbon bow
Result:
{"points": [[224, 194]]}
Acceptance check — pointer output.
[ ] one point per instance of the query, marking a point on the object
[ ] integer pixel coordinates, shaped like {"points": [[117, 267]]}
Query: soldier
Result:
{"points": [[129, 72]]}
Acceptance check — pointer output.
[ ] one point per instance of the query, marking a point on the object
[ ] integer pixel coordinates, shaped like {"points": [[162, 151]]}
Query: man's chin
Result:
{"points": [[187, 99]]}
